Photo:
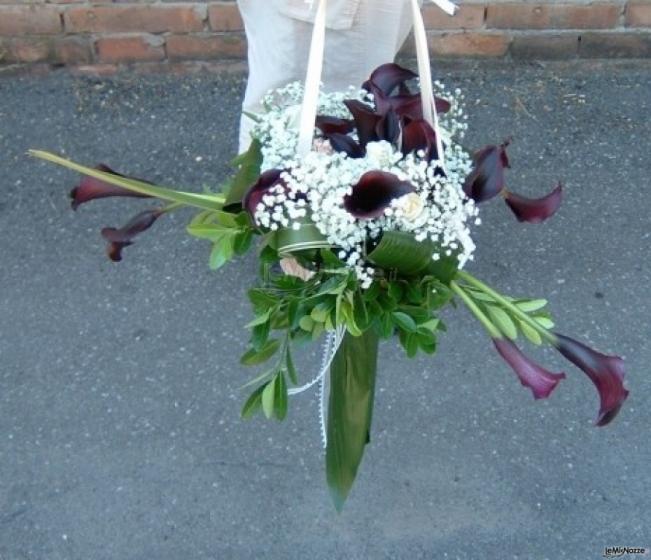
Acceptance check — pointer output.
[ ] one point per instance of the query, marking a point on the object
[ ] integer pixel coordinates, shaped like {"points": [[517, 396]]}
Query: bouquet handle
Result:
{"points": [[315, 70]]}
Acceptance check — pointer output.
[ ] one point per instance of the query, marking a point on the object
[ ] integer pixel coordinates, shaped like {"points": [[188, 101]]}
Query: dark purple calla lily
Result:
{"points": [[534, 210], [366, 121], [119, 238], [267, 181], [334, 125], [388, 77], [344, 143], [374, 192], [419, 135], [90, 188], [487, 178], [539, 380], [606, 372]]}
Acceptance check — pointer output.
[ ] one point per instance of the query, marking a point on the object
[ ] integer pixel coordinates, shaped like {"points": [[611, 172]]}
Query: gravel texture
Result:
{"points": [[120, 435]]}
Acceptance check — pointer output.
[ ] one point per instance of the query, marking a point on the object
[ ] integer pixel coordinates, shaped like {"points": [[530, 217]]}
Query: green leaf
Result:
{"points": [[291, 369], [205, 201], [530, 305], [306, 323], [502, 321], [253, 357], [249, 164], [399, 250], [532, 334], [260, 319], [222, 252], [260, 335], [268, 397], [404, 321], [253, 403], [280, 397], [350, 410], [544, 321], [291, 240]]}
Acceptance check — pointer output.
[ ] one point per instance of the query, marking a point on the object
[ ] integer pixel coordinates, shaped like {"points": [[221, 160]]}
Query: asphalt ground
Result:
{"points": [[120, 435]]}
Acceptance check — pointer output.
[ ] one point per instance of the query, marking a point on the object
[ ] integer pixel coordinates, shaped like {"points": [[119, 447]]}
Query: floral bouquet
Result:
{"points": [[364, 222]]}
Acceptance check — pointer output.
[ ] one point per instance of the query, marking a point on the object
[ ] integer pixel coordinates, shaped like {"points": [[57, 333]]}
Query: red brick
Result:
{"points": [[469, 44], [204, 47], [225, 17], [552, 16], [545, 47], [135, 18], [638, 14], [615, 45], [27, 20], [468, 16], [73, 50], [28, 49], [130, 48]]}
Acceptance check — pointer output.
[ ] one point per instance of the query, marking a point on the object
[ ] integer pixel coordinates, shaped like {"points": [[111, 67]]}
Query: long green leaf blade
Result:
{"points": [[350, 410], [205, 201]]}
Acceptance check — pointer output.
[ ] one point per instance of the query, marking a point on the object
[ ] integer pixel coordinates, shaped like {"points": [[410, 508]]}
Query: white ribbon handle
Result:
{"points": [[312, 82], [315, 68], [425, 70]]}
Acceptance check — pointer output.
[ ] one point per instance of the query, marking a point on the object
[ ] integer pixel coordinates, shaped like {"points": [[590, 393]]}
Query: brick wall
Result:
{"points": [[106, 33]]}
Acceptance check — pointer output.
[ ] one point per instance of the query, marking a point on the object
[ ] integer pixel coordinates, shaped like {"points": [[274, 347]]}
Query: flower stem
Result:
{"points": [[547, 335], [474, 308]]}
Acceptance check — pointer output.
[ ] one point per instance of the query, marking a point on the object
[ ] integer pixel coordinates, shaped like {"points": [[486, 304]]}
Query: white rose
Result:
{"points": [[411, 205], [380, 153]]}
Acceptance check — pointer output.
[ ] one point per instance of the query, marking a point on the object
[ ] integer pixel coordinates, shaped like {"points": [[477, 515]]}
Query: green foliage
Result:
{"points": [[509, 323], [230, 234], [248, 167], [350, 410]]}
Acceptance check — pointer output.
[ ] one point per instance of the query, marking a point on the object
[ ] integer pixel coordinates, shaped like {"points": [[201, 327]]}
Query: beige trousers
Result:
{"points": [[361, 35]]}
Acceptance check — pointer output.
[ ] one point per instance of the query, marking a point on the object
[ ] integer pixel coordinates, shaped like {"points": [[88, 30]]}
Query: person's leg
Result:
{"points": [[279, 48], [277, 54], [378, 32]]}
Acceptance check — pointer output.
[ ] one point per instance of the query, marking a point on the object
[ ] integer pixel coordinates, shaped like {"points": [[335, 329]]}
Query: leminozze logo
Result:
{"points": [[618, 551]]}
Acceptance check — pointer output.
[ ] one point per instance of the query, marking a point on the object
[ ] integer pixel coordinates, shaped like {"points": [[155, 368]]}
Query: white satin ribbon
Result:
{"points": [[315, 68], [312, 82], [425, 72]]}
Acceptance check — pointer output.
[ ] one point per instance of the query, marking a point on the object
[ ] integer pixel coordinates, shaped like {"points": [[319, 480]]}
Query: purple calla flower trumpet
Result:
{"points": [[374, 193], [534, 210], [419, 135], [90, 188], [538, 379], [119, 238], [487, 178], [266, 182], [606, 372]]}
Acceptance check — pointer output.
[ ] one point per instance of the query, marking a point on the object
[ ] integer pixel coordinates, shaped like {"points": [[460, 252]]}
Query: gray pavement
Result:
{"points": [[119, 384]]}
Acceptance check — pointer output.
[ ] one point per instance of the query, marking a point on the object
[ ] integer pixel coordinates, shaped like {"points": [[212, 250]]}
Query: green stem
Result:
{"points": [[474, 308], [548, 336]]}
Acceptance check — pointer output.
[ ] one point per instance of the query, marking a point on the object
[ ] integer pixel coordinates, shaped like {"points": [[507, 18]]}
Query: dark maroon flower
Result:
{"points": [[366, 121], [333, 125], [606, 372], [419, 135], [374, 192], [91, 188], [539, 380], [344, 143], [119, 238], [267, 181], [534, 210], [388, 77], [487, 178]]}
